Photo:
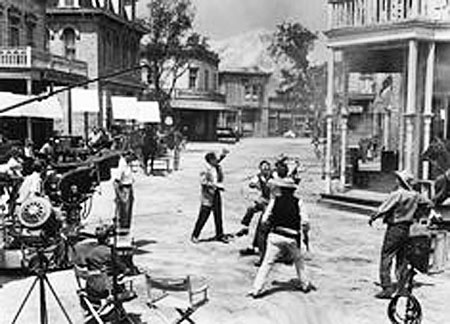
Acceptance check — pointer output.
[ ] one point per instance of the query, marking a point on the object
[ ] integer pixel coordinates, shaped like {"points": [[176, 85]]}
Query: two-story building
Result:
{"points": [[197, 99], [106, 34], [245, 90], [28, 68], [405, 44]]}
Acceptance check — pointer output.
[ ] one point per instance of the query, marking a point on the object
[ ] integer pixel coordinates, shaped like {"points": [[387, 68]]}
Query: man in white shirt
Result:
{"points": [[32, 184], [123, 187]]}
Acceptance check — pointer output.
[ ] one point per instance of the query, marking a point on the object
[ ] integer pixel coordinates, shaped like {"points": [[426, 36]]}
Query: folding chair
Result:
{"points": [[178, 294], [99, 309]]}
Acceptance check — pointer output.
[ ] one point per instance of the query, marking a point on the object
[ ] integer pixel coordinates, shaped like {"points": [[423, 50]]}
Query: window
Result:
{"points": [[69, 38], [14, 31], [255, 92], [247, 89], [206, 80], [193, 73], [30, 34]]}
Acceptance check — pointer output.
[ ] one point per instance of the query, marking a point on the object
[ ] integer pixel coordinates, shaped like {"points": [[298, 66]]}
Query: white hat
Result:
{"points": [[405, 178]]}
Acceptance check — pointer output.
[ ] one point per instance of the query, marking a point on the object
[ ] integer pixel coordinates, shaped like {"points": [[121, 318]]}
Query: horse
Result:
{"points": [[438, 154]]}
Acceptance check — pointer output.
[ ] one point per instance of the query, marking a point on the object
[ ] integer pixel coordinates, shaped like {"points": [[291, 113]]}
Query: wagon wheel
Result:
{"points": [[405, 309]]}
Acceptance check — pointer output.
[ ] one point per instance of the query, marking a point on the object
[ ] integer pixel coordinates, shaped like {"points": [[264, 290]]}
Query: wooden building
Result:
{"points": [[407, 41], [106, 35], [196, 99], [246, 91], [26, 65]]}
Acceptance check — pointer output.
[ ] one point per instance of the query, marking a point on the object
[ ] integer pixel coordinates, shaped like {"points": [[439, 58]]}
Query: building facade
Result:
{"points": [[404, 46], [245, 90], [196, 98], [26, 65], [106, 34]]}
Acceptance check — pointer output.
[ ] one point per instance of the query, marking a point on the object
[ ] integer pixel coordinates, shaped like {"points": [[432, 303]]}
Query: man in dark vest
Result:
{"points": [[283, 215]]}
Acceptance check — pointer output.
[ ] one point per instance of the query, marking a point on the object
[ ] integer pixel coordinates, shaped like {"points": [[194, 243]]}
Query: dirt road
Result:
{"points": [[343, 261]]}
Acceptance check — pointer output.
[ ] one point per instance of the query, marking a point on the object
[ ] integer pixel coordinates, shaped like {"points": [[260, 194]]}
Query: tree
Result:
{"points": [[290, 47], [168, 45]]}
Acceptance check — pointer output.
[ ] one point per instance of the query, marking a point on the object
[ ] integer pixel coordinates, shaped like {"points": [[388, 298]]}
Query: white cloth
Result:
{"points": [[124, 173], [31, 186], [11, 167]]}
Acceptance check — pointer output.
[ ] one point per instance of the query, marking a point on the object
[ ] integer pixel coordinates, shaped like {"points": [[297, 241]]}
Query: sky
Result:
{"points": [[220, 19]]}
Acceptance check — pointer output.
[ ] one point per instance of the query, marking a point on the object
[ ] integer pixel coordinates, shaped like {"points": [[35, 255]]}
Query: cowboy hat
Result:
{"points": [[286, 183], [405, 178]]}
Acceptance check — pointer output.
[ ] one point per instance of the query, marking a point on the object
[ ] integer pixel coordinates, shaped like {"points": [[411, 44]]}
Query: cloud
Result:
{"points": [[223, 18]]}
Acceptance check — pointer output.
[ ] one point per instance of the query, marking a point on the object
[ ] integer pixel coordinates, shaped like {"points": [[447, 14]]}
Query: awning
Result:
{"points": [[47, 108], [84, 100], [124, 108], [148, 112], [129, 108], [199, 105]]}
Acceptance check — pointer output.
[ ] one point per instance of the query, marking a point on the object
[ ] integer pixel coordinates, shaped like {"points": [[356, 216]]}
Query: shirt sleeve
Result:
{"points": [[303, 212], [268, 210], [388, 204]]}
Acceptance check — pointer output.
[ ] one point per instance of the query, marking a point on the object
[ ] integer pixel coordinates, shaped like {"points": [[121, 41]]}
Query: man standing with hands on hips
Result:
{"points": [[211, 181]]}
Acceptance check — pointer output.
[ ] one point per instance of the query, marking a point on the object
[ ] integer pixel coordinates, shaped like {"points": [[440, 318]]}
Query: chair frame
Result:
{"points": [[167, 285], [107, 304]]}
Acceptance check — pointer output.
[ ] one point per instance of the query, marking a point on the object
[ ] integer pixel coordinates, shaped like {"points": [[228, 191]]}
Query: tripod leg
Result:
{"points": [[24, 301], [43, 301], [57, 299]]}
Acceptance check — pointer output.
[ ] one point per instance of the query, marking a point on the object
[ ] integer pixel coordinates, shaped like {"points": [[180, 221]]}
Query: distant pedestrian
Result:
{"points": [[283, 215], [398, 211], [123, 187], [211, 178]]}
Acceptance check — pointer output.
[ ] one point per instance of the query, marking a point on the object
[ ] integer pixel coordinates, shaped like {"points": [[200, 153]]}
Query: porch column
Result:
{"points": [[386, 129], [411, 105], [344, 133], [428, 111], [329, 120], [29, 85]]}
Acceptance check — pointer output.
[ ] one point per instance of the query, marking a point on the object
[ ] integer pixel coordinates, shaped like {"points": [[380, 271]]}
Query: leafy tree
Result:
{"points": [[168, 46], [300, 83]]}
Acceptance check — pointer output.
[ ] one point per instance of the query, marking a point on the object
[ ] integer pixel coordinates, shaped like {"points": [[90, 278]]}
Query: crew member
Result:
{"points": [[123, 186], [398, 212]]}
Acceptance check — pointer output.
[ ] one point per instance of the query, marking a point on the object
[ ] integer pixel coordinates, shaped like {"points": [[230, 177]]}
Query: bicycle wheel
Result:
{"points": [[405, 309]]}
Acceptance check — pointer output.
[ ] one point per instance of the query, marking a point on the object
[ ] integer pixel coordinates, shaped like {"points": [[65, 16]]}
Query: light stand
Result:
{"points": [[42, 279]]}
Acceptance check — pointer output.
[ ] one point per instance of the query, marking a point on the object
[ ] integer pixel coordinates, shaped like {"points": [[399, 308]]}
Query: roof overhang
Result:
{"points": [[204, 105], [395, 34]]}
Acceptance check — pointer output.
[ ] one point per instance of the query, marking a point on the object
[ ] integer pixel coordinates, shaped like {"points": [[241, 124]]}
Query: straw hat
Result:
{"points": [[405, 178]]}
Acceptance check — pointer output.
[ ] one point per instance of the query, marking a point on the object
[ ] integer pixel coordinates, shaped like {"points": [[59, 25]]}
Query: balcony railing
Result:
{"points": [[30, 58], [198, 94], [355, 13]]}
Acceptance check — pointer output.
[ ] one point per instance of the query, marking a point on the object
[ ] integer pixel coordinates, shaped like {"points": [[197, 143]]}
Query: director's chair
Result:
{"points": [[100, 309], [178, 294]]}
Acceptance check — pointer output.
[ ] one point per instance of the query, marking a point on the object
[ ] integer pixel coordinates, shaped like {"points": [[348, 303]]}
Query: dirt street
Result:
{"points": [[343, 261]]}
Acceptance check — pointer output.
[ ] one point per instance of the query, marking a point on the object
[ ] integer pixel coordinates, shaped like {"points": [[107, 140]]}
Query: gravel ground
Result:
{"points": [[343, 260]]}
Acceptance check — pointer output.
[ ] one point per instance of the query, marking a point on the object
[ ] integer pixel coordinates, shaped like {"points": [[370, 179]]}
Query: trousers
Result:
{"points": [[204, 213], [394, 244], [277, 245]]}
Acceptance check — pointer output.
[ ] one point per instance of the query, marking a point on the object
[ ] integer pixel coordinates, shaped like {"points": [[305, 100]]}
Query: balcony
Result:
{"points": [[363, 13], [30, 58], [194, 94]]}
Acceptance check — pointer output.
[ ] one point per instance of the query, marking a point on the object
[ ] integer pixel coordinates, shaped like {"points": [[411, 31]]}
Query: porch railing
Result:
{"points": [[29, 58], [356, 13]]}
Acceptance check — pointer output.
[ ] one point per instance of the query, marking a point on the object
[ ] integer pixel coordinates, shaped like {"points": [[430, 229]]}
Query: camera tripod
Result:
{"points": [[40, 269]]}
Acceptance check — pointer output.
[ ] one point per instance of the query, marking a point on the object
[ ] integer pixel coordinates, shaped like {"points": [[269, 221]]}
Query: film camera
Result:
{"points": [[52, 222]]}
